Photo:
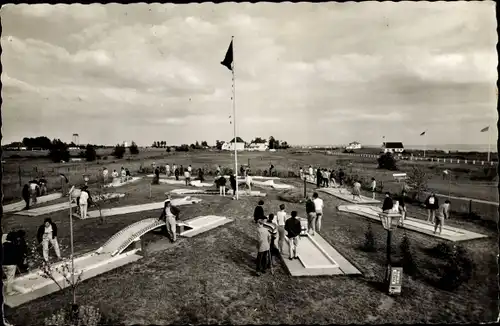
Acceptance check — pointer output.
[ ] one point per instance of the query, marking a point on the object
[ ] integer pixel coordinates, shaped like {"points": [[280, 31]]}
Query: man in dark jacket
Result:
{"points": [[341, 177], [293, 229], [19, 239], [47, 233], [258, 212], [26, 196], [319, 177], [402, 206], [201, 175], [388, 203], [176, 173], [232, 181], [12, 257], [311, 215], [170, 214]]}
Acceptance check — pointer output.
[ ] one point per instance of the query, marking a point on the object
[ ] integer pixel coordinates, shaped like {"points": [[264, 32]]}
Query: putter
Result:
{"points": [[271, 261]]}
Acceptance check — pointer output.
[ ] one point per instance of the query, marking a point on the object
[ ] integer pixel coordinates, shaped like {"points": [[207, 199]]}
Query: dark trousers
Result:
{"points": [[176, 177], [318, 181], [262, 261], [27, 200]]}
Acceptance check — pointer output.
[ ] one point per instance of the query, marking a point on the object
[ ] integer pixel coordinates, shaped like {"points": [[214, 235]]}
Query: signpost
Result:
{"points": [[396, 280]]}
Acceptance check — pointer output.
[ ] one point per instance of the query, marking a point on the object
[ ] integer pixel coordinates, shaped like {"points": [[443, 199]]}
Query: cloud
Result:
{"points": [[155, 70]]}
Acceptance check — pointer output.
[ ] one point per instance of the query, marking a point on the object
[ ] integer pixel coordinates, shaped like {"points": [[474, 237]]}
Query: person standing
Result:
{"points": [[402, 206], [221, 182], [388, 204], [293, 229], [432, 204], [271, 221], [157, 176], [200, 175], [167, 170], [47, 233], [181, 170], [26, 196], [174, 168], [43, 186], [356, 190], [242, 170], [318, 206], [190, 169], [83, 203], [33, 191], [258, 212], [248, 182], [187, 177], [232, 181], [105, 174], [176, 173], [311, 216], [123, 175], [64, 183], [443, 213], [333, 183], [311, 173], [218, 172], [263, 247], [319, 178], [280, 220], [373, 187], [170, 214], [127, 174], [11, 259], [301, 173], [271, 169], [341, 177], [114, 175]]}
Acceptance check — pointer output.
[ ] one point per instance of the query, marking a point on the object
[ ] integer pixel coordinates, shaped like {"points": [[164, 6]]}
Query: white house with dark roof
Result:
{"points": [[393, 147], [353, 145], [261, 147], [229, 146]]}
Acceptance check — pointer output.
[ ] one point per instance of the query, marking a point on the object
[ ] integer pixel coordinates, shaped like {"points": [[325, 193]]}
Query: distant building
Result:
{"points": [[229, 146], [353, 145], [258, 146], [396, 147], [125, 144]]}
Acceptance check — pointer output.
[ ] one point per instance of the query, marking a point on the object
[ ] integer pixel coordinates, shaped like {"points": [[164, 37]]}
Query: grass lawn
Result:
{"points": [[209, 278]]}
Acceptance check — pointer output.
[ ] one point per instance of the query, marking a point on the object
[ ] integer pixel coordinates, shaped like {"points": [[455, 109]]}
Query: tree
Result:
{"points": [[192, 146], [259, 140], [218, 144], [408, 262], [204, 143], [417, 181], [386, 161], [197, 145], [154, 144], [272, 143], [119, 151], [134, 150], [90, 153], [59, 151]]}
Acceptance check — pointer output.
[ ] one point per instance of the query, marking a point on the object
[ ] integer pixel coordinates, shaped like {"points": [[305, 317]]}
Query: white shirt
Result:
{"points": [[248, 180], [189, 168], [114, 174], [84, 198], [281, 218], [311, 171], [105, 172], [124, 173], [47, 234], [168, 213], [374, 185], [174, 167], [357, 186], [167, 167], [33, 186], [318, 203], [187, 174]]}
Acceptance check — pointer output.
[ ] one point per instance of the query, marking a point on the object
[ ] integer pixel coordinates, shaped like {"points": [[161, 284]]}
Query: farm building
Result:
{"points": [[353, 145], [396, 147], [258, 146], [229, 146]]}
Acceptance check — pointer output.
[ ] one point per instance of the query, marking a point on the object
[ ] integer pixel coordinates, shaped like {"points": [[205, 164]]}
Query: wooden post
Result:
{"points": [[470, 208], [305, 187], [19, 173], [150, 191]]}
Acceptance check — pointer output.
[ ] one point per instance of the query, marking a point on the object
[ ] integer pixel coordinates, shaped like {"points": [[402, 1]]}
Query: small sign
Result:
{"points": [[396, 280]]}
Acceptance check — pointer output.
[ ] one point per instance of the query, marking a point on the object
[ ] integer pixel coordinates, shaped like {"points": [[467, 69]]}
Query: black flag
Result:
{"points": [[228, 60]]}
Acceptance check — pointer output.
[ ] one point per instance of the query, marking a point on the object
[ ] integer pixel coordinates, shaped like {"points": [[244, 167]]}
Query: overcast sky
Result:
{"points": [[306, 73]]}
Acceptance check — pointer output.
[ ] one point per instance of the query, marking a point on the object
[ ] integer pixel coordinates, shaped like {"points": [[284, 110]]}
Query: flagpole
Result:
{"points": [[489, 143], [234, 122], [425, 142]]}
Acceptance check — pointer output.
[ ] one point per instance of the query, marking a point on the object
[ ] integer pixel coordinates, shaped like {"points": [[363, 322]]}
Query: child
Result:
{"points": [[442, 213], [222, 186], [187, 176], [293, 228], [373, 187], [432, 204], [356, 190], [263, 247]]}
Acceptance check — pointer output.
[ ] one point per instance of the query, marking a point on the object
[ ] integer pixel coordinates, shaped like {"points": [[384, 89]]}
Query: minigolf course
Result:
{"points": [[109, 256], [346, 195], [18, 206], [140, 208], [270, 183], [117, 182], [215, 192], [61, 206], [316, 257], [449, 233], [194, 183]]}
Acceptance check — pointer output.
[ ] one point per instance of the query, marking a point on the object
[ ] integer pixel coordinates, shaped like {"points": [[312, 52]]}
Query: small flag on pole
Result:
{"points": [[228, 59], [422, 133], [485, 129]]}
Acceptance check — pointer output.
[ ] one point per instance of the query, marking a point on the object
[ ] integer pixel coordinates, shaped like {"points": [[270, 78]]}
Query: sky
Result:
{"points": [[308, 73]]}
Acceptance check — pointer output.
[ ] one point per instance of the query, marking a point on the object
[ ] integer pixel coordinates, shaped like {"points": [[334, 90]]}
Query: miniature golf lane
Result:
{"points": [[311, 255], [14, 207]]}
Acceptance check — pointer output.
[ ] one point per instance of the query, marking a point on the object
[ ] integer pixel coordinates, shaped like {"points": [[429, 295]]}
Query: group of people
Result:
{"points": [[83, 200], [16, 252], [324, 177], [273, 229], [34, 189], [187, 173], [124, 175]]}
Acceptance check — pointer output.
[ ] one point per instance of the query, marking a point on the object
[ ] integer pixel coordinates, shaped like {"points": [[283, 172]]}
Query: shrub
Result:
{"points": [[386, 161], [133, 149], [408, 263], [82, 154], [104, 157], [168, 149], [86, 315], [58, 154], [119, 151], [90, 153], [442, 250], [369, 244], [458, 270], [417, 181]]}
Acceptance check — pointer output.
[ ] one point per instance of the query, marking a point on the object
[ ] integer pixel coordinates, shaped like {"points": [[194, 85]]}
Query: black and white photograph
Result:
{"points": [[249, 163]]}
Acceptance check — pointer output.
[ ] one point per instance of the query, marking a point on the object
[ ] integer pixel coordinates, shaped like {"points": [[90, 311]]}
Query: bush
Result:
{"points": [[386, 161], [90, 153], [458, 270], [119, 151], [134, 150], [168, 149], [407, 261], [86, 315], [417, 181], [442, 250], [369, 245], [59, 154]]}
